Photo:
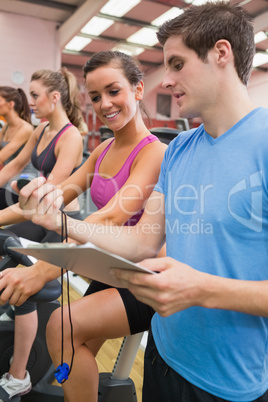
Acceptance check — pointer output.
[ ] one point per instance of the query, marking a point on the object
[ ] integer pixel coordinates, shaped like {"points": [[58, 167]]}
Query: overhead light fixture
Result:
{"points": [[260, 58], [260, 36], [147, 36], [118, 8], [96, 26], [130, 50], [168, 15], [144, 36], [77, 43]]}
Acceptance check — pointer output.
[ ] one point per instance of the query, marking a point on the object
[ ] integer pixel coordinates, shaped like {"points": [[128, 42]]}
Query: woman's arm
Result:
{"points": [[17, 164], [63, 167], [22, 136], [13, 214], [20, 283], [1, 136]]}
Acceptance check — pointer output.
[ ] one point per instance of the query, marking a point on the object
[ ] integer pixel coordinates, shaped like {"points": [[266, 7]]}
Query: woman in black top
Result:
{"points": [[54, 97], [15, 109]]}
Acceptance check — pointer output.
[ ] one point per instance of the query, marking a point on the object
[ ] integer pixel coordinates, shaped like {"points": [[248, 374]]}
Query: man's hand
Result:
{"points": [[176, 287]]}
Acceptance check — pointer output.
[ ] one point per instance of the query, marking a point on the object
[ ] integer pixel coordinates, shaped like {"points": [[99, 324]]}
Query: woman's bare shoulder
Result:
{"points": [[151, 155], [155, 147], [27, 125]]}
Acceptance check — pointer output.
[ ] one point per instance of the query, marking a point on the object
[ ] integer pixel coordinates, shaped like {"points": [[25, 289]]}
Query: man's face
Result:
{"points": [[191, 80]]}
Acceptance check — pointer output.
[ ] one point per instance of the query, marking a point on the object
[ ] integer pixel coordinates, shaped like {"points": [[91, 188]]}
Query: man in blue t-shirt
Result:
{"points": [[211, 296], [210, 332]]}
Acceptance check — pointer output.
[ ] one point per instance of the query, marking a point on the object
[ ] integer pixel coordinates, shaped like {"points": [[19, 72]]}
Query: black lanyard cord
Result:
{"points": [[63, 371]]}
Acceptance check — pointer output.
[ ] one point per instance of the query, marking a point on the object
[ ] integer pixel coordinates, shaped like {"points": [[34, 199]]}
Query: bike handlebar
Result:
{"points": [[51, 290]]}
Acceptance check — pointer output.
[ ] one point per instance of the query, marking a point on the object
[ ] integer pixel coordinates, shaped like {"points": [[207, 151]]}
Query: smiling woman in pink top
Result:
{"points": [[121, 172]]}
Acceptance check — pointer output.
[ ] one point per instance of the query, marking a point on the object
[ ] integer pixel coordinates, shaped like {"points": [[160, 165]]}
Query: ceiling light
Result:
{"points": [[144, 36], [77, 43], [259, 59], [96, 26], [130, 50], [168, 15], [119, 8], [260, 36]]}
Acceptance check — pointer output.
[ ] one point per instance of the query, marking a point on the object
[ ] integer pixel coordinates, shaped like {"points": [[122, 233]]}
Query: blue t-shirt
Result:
{"points": [[217, 222]]}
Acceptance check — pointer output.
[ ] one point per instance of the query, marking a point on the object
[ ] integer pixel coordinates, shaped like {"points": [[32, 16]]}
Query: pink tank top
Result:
{"points": [[103, 189]]}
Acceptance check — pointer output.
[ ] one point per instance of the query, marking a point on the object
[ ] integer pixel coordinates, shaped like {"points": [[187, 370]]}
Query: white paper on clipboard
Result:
{"points": [[87, 260]]}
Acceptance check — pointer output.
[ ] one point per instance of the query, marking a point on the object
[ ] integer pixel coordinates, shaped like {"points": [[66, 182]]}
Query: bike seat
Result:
{"points": [[50, 292]]}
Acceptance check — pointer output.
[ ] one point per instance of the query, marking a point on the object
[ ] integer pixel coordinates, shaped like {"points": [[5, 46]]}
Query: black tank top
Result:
{"points": [[46, 161]]}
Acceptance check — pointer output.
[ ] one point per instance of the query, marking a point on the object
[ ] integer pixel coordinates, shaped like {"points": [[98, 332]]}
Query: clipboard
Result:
{"points": [[87, 260]]}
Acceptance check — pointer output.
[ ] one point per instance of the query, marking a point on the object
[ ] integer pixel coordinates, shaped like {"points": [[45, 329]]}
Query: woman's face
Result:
{"points": [[113, 98], [41, 100]]}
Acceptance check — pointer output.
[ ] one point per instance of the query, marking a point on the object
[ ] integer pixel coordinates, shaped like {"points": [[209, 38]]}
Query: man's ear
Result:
{"points": [[139, 90], [223, 51]]}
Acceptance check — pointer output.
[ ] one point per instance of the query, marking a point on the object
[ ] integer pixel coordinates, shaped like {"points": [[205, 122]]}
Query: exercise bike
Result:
{"points": [[113, 387], [39, 364]]}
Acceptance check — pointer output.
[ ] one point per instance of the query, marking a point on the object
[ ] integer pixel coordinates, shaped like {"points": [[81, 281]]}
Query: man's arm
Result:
{"points": [[144, 240], [178, 287], [135, 243]]}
